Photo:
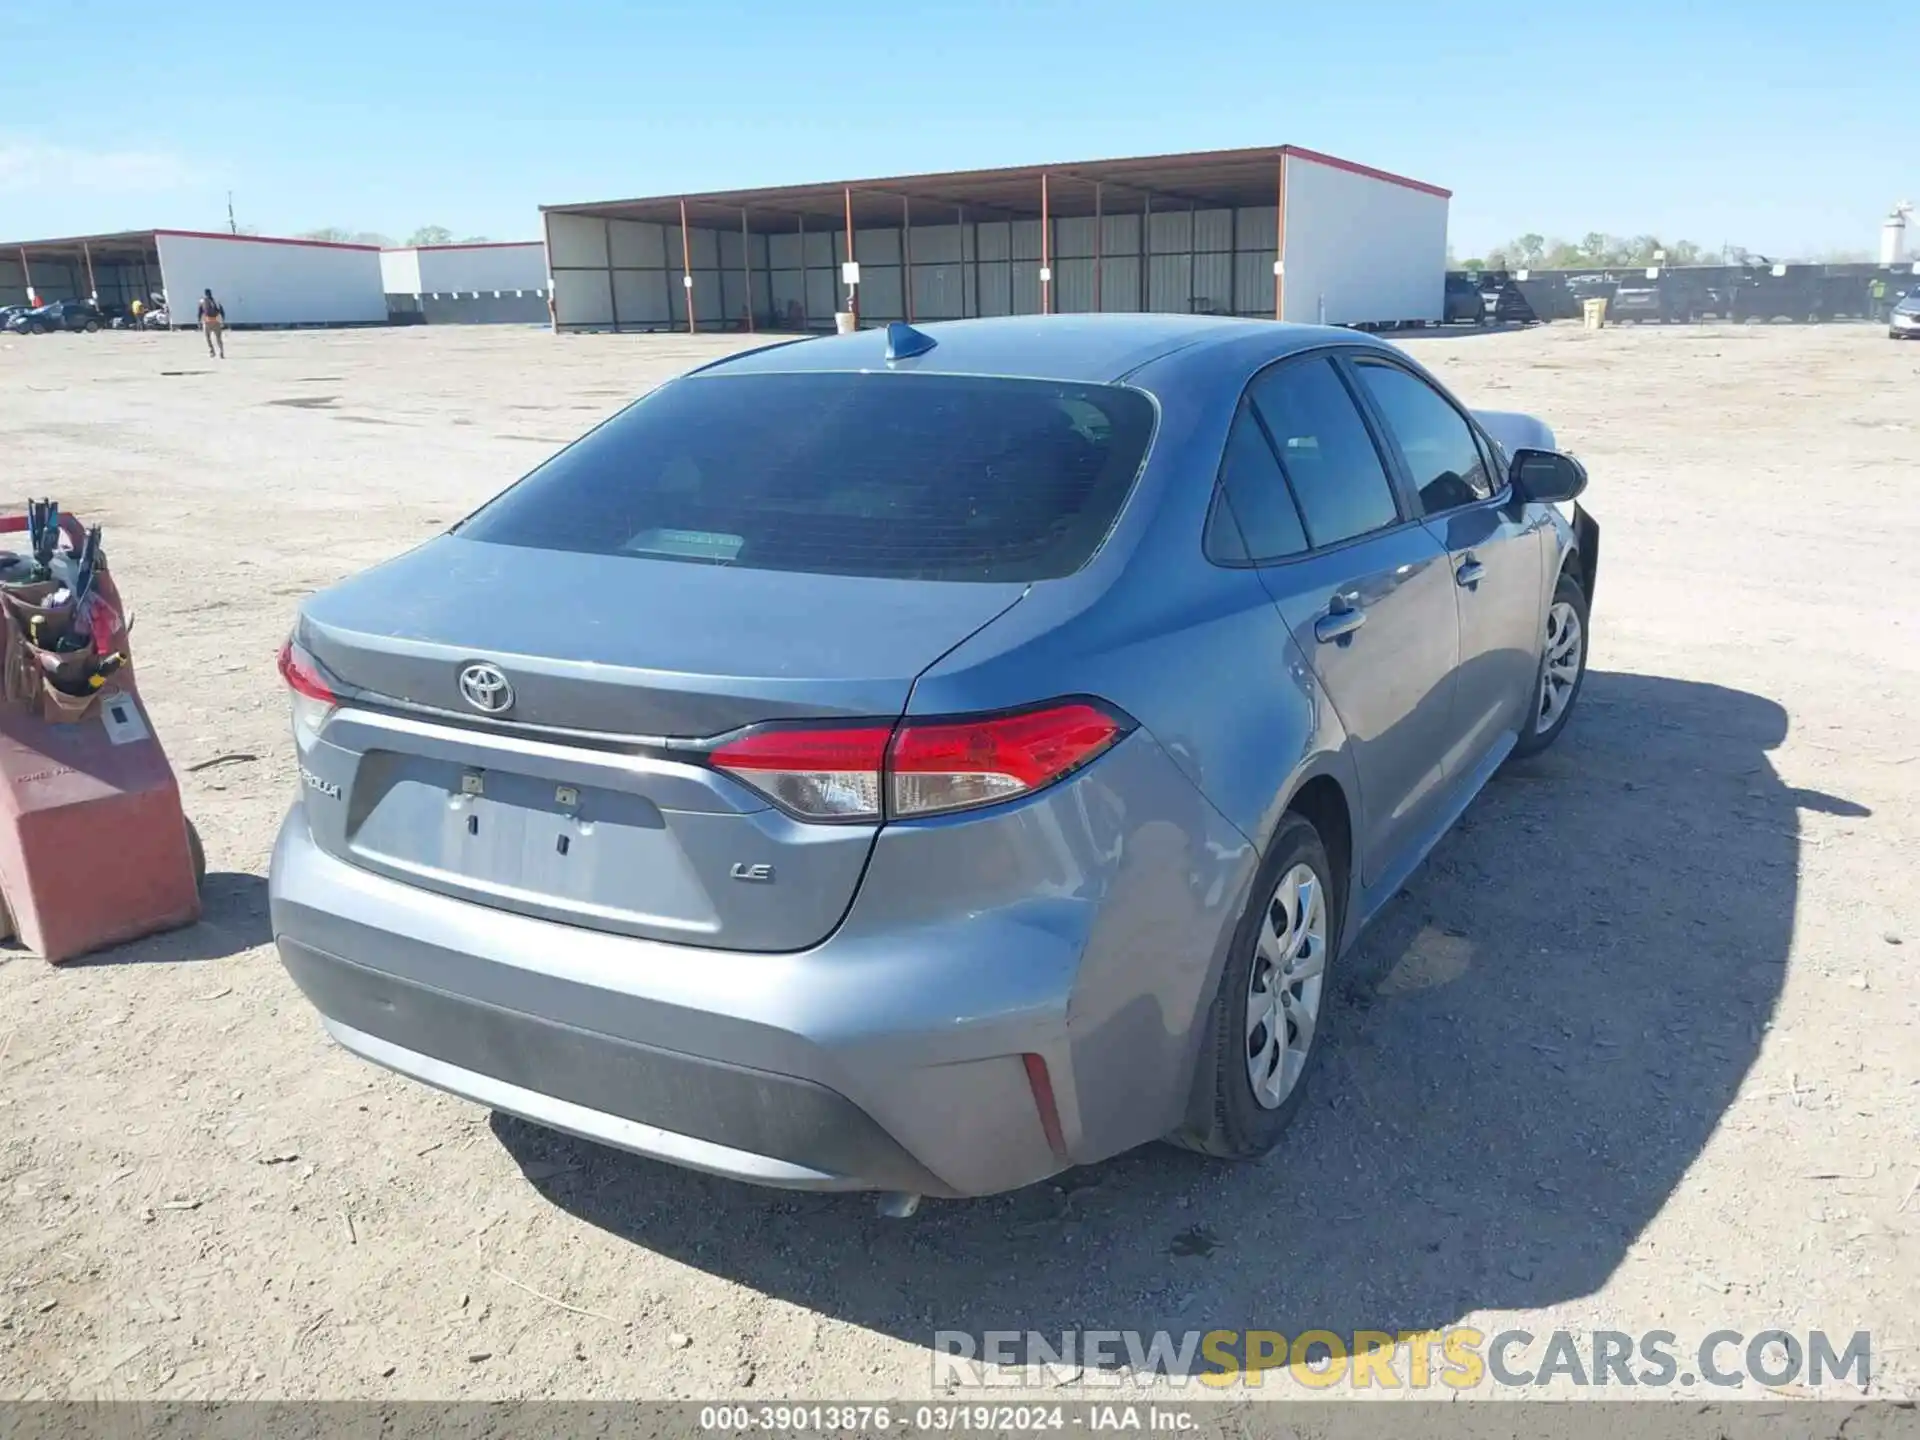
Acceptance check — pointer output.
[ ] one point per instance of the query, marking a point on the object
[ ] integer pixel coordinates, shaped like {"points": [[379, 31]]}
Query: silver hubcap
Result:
{"points": [[1283, 992], [1561, 672]]}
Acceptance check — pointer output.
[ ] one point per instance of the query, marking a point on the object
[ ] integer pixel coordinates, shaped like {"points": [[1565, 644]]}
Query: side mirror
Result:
{"points": [[1546, 476]]}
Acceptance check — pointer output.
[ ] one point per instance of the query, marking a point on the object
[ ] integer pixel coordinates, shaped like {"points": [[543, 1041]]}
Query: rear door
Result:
{"points": [[526, 705], [1362, 586], [1494, 551]]}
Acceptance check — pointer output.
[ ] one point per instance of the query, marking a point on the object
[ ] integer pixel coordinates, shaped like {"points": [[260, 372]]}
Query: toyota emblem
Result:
{"points": [[486, 688]]}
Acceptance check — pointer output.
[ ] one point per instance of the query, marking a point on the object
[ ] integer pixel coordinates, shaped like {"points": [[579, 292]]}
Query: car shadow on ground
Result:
{"points": [[1537, 1038]]}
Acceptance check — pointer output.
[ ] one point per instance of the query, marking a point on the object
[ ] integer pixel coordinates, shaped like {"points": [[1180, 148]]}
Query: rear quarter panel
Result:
{"points": [[1199, 655]]}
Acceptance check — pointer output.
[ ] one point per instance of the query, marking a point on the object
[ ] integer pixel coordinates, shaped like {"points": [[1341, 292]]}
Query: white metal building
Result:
{"points": [[479, 281], [260, 280], [1280, 232], [478, 267]]}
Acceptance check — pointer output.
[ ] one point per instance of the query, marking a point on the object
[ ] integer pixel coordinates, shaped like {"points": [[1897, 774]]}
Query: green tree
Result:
{"points": [[1597, 249], [325, 232], [431, 235]]}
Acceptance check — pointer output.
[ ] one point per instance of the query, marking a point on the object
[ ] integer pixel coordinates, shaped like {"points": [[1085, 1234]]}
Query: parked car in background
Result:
{"points": [[60, 315], [1637, 301], [1008, 727], [1462, 301], [7, 312], [1904, 322], [1505, 304]]}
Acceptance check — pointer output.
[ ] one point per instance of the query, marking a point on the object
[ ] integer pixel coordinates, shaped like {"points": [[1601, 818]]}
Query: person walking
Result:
{"points": [[213, 323]]}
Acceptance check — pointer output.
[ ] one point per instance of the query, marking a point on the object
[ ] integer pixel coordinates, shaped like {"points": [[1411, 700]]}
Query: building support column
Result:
{"points": [[960, 212], [1146, 250], [26, 278], [906, 257], [1046, 261], [93, 289], [746, 267], [613, 280], [553, 299], [1280, 245], [1099, 246], [853, 286], [1233, 261], [686, 268]]}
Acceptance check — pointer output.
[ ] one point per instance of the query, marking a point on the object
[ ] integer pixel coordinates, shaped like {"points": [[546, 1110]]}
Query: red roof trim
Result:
{"points": [[1355, 168], [1115, 169], [471, 245], [268, 240]]}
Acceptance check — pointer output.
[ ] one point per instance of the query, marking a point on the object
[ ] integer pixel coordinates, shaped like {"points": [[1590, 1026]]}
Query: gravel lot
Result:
{"points": [[1636, 1049]]}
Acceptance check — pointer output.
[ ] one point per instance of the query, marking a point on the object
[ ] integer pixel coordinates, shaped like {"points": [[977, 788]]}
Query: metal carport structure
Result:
{"points": [[115, 269], [1279, 231], [264, 280]]}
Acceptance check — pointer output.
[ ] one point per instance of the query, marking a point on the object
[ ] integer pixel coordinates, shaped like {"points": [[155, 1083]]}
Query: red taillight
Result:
{"points": [[302, 675], [922, 768], [957, 764], [313, 699], [820, 774]]}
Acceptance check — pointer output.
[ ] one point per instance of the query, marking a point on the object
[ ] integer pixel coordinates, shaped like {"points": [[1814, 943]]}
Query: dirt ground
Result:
{"points": [[1637, 1049]]}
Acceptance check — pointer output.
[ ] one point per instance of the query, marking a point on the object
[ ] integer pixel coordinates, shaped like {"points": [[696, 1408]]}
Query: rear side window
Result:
{"points": [[1449, 468], [1254, 518], [925, 477], [1326, 451]]}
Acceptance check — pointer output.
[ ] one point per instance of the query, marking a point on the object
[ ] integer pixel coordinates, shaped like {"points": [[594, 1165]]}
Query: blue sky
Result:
{"points": [[1787, 128]]}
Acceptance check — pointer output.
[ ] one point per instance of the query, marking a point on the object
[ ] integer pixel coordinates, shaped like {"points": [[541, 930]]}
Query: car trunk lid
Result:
{"points": [[582, 798]]}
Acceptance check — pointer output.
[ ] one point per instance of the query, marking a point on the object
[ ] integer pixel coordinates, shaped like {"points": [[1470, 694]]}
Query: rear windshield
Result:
{"points": [[926, 477]]}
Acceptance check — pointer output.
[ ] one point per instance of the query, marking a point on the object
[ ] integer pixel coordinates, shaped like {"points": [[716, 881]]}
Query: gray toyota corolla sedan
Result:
{"points": [[923, 760]]}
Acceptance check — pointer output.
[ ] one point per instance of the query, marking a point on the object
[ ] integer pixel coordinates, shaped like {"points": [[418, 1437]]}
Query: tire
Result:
{"points": [[92, 327], [1567, 594], [199, 853], [1238, 1124]]}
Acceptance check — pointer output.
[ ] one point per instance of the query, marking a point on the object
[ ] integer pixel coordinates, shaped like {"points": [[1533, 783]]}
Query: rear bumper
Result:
{"points": [[1079, 928], [705, 1114]]}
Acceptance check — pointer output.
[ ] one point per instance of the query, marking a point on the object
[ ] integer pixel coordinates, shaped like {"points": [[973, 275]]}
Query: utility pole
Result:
{"points": [[231, 227]]}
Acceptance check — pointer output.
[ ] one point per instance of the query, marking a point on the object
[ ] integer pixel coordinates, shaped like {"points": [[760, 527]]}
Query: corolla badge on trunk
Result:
{"points": [[486, 688]]}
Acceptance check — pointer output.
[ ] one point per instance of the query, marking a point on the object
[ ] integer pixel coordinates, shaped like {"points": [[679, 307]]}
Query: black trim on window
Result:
{"points": [[1397, 461], [1406, 513]]}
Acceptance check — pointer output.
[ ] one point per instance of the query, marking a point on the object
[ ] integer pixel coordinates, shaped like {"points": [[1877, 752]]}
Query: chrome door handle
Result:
{"points": [[1338, 623], [1470, 573]]}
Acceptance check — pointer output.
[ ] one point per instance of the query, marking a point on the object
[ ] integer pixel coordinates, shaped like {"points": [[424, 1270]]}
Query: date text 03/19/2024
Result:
{"points": [[957, 1419]]}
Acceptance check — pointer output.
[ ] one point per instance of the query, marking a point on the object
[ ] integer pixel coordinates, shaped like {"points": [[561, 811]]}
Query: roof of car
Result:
{"points": [[1085, 348]]}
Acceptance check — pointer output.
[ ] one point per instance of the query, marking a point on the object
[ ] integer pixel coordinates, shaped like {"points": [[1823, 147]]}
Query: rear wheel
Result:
{"points": [[1563, 667], [198, 853], [1267, 1021], [92, 327]]}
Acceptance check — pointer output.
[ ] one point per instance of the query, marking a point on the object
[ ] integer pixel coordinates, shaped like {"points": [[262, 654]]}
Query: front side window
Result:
{"points": [[924, 477], [1448, 466], [1325, 450]]}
